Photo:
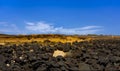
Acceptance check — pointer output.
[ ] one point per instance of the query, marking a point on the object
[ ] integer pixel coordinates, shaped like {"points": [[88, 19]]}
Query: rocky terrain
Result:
{"points": [[103, 55]]}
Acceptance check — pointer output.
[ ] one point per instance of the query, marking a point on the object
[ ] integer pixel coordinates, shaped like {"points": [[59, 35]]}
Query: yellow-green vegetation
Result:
{"points": [[38, 38], [4, 39]]}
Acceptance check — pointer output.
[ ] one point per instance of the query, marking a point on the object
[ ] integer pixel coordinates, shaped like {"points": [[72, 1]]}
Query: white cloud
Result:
{"points": [[90, 27], [46, 28], [42, 27], [30, 23], [3, 24], [8, 28]]}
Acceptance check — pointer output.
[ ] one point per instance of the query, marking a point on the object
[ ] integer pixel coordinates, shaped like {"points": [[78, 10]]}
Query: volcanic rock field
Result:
{"points": [[102, 55]]}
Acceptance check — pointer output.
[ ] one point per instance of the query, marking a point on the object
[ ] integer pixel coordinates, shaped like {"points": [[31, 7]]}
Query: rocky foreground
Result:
{"points": [[101, 55]]}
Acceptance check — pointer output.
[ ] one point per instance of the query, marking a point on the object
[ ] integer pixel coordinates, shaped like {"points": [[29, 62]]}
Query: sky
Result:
{"points": [[60, 17]]}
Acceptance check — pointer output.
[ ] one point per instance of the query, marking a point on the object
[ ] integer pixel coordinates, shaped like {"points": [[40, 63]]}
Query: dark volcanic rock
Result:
{"points": [[84, 67], [95, 55]]}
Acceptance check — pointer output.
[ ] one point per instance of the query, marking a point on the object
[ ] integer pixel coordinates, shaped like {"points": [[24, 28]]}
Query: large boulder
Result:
{"points": [[59, 53]]}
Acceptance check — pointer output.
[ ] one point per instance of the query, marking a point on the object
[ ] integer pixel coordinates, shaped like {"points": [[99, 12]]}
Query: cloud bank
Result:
{"points": [[6, 28], [42, 27], [47, 28]]}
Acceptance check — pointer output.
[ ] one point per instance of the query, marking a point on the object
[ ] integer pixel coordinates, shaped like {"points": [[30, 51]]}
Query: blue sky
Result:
{"points": [[60, 16]]}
